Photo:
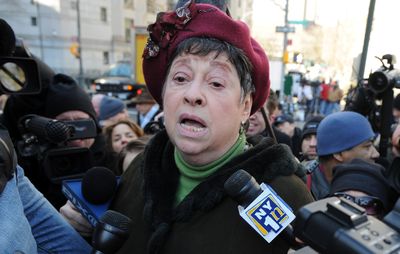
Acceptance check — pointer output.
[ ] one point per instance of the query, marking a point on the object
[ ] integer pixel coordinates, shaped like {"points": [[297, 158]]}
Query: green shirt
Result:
{"points": [[191, 176]]}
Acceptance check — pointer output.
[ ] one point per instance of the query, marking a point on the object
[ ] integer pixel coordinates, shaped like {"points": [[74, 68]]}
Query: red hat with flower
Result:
{"points": [[200, 20]]}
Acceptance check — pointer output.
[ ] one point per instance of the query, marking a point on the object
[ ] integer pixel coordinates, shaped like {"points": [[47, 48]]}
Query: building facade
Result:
{"points": [[107, 31]]}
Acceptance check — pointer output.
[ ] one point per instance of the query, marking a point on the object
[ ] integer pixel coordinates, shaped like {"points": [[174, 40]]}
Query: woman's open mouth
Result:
{"points": [[192, 126]]}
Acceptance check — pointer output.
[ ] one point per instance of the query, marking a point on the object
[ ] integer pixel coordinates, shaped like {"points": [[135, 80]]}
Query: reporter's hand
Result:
{"points": [[77, 221]]}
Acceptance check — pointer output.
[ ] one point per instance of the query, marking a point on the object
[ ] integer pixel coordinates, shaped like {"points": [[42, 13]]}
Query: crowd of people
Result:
{"points": [[207, 112], [318, 97]]}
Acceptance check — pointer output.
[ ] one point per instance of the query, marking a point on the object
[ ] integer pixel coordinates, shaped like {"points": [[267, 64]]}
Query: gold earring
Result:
{"points": [[241, 130]]}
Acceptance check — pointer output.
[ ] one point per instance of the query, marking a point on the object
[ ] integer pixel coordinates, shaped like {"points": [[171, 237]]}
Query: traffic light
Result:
{"points": [[286, 57], [74, 49]]}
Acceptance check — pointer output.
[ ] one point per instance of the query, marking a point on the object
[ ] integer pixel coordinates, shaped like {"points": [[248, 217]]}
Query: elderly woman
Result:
{"points": [[209, 75]]}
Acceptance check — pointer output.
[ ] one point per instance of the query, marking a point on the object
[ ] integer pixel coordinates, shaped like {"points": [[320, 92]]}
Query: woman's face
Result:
{"points": [[202, 106], [120, 136]]}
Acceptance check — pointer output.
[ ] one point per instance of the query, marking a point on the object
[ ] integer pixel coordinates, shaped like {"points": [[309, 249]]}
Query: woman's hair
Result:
{"points": [[107, 131], [136, 145], [204, 45]]}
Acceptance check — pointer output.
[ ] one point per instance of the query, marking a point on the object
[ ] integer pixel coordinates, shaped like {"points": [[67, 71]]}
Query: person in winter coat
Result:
{"points": [[209, 81]]}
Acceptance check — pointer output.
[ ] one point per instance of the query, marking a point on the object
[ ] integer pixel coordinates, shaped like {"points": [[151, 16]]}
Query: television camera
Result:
{"points": [[337, 225], [25, 76], [44, 141], [373, 97], [18, 75]]}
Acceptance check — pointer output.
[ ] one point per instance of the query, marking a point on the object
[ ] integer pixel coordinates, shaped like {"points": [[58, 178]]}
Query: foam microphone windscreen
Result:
{"points": [[111, 232], [99, 185], [116, 220], [7, 39]]}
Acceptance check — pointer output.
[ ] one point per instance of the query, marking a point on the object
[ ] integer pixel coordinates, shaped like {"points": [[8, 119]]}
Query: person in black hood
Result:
{"points": [[29, 223], [62, 99]]}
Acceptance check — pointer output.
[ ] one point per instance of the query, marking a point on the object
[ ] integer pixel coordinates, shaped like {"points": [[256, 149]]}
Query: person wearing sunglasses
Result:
{"points": [[363, 183]]}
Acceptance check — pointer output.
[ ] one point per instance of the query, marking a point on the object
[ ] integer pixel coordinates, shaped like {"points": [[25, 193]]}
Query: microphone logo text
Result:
{"points": [[267, 215]]}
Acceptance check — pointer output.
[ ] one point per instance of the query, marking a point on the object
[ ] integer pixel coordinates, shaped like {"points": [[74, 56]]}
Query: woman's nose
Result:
{"points": [[193, 94], [124, 140]]}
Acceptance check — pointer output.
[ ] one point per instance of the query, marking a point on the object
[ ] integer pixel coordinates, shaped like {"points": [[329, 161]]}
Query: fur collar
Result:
{"points": [[264, 162]]}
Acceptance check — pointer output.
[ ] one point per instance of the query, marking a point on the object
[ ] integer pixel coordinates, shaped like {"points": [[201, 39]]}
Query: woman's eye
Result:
{"points": [[216, 84], [180, 79]]}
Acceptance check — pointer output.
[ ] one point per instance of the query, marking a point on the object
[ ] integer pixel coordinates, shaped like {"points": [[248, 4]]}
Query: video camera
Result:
{"points": [[373, 98], [386, 77], [45, 140], [40, 141], [336, 225], [18, 75]]}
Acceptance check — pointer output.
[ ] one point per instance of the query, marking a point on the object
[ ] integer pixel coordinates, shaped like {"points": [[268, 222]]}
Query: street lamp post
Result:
{"points": [[78, 13], [285, 44], [39, 24], [366, 39]]}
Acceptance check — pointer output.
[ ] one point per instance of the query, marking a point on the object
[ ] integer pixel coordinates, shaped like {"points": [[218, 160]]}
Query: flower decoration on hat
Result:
{"points": [[163, 31]]}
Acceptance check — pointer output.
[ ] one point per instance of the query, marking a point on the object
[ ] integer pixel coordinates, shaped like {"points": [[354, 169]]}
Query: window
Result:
{"points": [[33, 21], [128, 29], [151, 6], [127, 35], [128, 4], [103, 14], [74, 5], [106, 57], [126, 55]]}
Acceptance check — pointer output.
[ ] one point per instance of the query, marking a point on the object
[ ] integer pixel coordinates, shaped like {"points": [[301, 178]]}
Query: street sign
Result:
{"points": [[299, 22], [285, 29]]}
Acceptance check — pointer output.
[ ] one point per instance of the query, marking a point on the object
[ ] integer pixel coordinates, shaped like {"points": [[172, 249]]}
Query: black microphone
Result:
{"points": [[244, 189], [92, 194], [110, 233], [51, 130], [99, 185]]}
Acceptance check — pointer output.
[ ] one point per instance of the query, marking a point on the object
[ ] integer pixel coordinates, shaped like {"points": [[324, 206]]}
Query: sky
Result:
{"points": [[384, 39]]}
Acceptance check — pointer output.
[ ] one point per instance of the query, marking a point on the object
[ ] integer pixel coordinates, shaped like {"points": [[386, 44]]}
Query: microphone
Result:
{"points": [[260, 206], [51, 130], [110, 233], [92, 194]]}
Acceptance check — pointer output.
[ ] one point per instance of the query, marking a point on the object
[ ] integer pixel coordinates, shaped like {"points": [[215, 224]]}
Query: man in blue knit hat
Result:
{"points": [[112, 110], [341, 137]]}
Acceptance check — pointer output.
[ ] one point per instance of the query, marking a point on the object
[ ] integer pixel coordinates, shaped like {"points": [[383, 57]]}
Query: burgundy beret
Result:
{"points": [[200, 20]]}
